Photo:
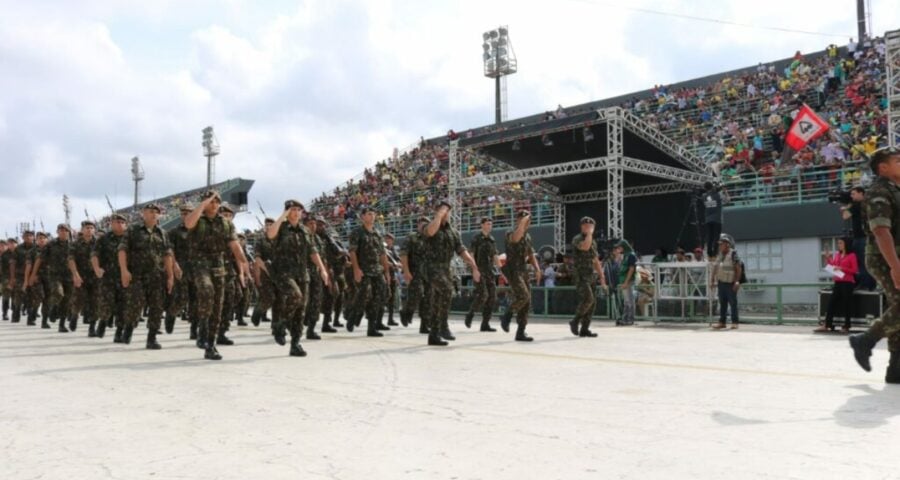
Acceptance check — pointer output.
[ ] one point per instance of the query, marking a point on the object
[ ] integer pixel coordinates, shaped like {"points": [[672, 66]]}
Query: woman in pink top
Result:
{"points": [[844, 261]]}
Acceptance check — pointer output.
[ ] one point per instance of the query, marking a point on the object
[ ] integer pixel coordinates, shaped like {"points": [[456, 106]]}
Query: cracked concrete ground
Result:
{"points": [[642, 403]]}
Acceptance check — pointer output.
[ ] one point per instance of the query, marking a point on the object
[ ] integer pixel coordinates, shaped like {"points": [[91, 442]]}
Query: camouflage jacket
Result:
{"points": [[56, 257], [5, 258], [181, 247], [583, 265], [292, 248], [21, 256], [320, 246], [413, 249], [208, 244], [81, 253], [484, 249], [882, 210], [334, 257], [369, 248], [518, 254], [107, 252], [146, 249], [440, 248]]}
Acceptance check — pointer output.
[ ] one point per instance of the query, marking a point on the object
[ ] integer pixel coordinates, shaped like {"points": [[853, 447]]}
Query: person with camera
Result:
{"points": [[845, 267], [714, 197], [853, 211], [727, 269]]}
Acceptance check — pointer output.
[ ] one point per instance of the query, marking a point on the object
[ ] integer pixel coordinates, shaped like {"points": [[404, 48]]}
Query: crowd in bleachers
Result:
{"points": [[736, 122]]}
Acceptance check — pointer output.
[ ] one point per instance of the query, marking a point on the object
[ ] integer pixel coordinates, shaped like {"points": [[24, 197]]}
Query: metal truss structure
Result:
{"points": [[892, 65], [614, 163]]}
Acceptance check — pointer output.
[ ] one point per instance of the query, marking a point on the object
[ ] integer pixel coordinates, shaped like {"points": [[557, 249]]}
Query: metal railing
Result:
{"points": [[752, 190]]}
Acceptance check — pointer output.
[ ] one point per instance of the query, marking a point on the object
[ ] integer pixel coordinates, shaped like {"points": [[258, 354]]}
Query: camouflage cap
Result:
{"points": [[28, 232], [63, 226], [365, 209], [389, 235], [211, 193], [42, 234], [88, 223], [120, 217], [226, 208], [11, 240], [152, 206], [320, 218], [269, 220], [588, 220], [486, 219], [288, 204], [186, 208]]}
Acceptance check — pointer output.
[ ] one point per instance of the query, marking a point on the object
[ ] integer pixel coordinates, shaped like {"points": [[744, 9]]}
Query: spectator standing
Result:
{"points": [[845, 264], [627, 270], [726, 272]]}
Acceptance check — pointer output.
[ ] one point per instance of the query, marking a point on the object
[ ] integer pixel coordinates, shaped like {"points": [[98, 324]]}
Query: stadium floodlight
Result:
{"points": [[210, 151], [137, 176], [499, 61]]}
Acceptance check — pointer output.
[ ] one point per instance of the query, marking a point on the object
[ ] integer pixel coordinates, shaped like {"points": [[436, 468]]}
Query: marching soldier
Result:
{"points": [[87, 295], [105, 263], [34, 290], [412, 256], [370, 274], [60, 275], [314, 304], [16, 284], [587, 262], [5, 255], [177, 301], [519, 254], [247, 288], [293, 249], [263, 277], [441, 242], [146, 267], [335, 258], [212, 235], [394, 265], [233, 288], [484, 249]]}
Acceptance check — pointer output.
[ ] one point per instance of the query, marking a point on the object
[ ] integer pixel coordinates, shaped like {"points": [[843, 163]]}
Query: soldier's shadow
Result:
{"points": [[152, 366], [873, 409], [454, 346], [116, 349]]}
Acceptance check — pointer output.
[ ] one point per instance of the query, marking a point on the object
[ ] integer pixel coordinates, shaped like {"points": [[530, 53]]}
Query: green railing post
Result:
{"points": [[779, 306], [546, 300]]}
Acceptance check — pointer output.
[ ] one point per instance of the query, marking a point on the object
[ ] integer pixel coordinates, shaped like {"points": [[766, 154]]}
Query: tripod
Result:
{"points": [[691, 217]]}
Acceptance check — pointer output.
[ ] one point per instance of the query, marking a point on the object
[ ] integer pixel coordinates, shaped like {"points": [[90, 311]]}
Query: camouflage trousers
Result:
{"points": [[18, 299], [314, 301], [36, 296], [485, 297], [520, 305], [209, 287], [146, 291], [391, 301], [585, 290], [180, 296], [6, 293], [333, 298], [294, 291], [888, 326], [244, 303], [231, 300], [266, 298], [111, 300], [415, 297], [440, 293], [86, 297], [369, 299], [58, 295]]}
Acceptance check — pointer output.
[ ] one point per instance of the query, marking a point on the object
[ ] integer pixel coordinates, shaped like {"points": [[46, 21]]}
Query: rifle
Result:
{"points": [[112, 210], [261, 224], [261, 210]]}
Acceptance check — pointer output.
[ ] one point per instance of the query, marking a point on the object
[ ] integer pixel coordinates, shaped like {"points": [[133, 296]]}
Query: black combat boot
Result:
{"points": [[170, 323], [296, 349], [254, 319], [373, 329], [446, 334], [468, 320], [62, 326], [193, 335], [337, 320], [505, 320], [350, 324], [381, 326], [32, 319], [73, 322], [423, 327], [240, 321], [15, 315], [152, 344], [435, 340], [211, 352], [521, 336], [311, 333], [573, 327], [117, 338], [92, 329], [586, 332], [101, 329], [391, 322], [486, 326], [405, 318], [126, 334], [221, 339], [279, 334], [893, 370], [326, 324], [862, 345]]}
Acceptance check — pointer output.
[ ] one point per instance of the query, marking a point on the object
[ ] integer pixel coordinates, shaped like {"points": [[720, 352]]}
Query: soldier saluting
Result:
{"points": [[586, 263], [370, 274], [519, 254]]}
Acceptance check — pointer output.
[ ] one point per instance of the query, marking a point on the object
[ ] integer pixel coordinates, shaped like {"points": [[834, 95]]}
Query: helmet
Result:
{"points": [[727, 239]]}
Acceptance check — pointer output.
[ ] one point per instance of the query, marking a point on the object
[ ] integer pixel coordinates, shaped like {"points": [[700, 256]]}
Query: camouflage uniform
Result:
{"points": [[333, 297], [391, 301], [112, 297], [19, 294], [233, 293], [146, 249], [439, 251], [517, 256], [316, 287], [182, 291], [349, 293], [36, 295], [414, 250], [87, 296], [292, 247], [5, 258], [266, 288], [585, 286], [208, 244], [883, 210], [371, 291], [484, 249]]}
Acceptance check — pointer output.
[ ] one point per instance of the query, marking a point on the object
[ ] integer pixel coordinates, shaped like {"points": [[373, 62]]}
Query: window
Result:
{"points": [[761, 256]]}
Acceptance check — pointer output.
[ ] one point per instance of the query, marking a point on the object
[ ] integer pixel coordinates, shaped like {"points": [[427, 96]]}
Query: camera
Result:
{"points": [[839, 196]]}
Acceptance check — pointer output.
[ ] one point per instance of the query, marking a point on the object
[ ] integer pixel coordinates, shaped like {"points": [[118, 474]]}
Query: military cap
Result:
{"points": [[63, 226], [320, 219], [11, 240], [211, 193], [28, 232], [119, 216], [389, 235], [444, 202], [880, 156], [523, 213], [42, 234], [727, 239], [293, 203], [226, 208], [269, 220], [88, 223], [187, 207], [365, 209], [307, 217], [486, 219], [588, 220], [152, 206]]}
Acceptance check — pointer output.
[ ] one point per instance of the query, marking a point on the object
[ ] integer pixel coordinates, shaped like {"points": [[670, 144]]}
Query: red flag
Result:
{"points": [[807, 127]]}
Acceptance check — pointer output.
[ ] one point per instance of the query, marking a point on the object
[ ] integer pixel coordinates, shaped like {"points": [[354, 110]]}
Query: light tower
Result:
{"points": [[892, 63], [499, 61], [137, 175], [210, 150], [67, 208]]}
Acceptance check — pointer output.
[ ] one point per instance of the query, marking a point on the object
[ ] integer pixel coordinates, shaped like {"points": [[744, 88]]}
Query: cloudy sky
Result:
{"points": [[305, 94]]}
